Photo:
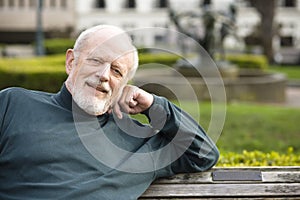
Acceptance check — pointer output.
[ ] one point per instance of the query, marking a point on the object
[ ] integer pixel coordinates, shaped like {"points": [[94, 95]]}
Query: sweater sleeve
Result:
{"points": [[180, 145], [3, 107]]}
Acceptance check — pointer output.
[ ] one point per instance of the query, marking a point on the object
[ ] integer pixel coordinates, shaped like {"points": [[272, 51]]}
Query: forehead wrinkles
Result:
{"points": [[112, 48], [109, 54]]}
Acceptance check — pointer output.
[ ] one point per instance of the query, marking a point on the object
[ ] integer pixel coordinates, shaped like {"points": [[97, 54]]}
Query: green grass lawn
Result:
{"points": [[253, 127], [257, 127], [292, 72]]}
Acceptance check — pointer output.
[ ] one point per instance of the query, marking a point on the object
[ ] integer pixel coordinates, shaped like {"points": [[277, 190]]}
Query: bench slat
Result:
{"points": [[269, 175], [223, 190], [206, 177], [266, 168], [203, 177], [281, 177], [221, 198]]}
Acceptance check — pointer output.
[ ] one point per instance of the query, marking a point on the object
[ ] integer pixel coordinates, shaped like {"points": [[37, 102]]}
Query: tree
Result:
{"points": [[206, 19], [266, 9]]}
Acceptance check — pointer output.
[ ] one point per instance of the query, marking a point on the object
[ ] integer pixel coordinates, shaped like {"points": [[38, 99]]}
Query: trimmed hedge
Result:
{"points": [[58, 46], [258, 158], [248, 61], [163, 59], [42, 73], [48, 73]]}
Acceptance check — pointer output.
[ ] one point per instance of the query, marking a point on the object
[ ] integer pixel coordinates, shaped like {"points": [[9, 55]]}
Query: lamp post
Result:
{"points": [[39, 30]]}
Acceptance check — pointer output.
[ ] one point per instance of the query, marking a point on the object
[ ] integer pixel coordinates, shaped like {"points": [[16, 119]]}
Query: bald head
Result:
{"points": [[107, 38], [101, 32]]}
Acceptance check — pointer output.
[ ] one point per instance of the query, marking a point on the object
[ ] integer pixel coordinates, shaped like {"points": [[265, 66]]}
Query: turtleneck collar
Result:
{"points": [[64, 98]]}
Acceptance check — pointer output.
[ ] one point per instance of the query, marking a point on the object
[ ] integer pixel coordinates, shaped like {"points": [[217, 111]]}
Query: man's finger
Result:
{"points": [[132, 103]]}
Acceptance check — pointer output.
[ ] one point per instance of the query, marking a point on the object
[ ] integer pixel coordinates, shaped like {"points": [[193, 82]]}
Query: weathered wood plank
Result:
{"points": [[222, 198], [265, 168], [223, 190], [269, 175], [206, 177], [202, 177], [281, 177]]}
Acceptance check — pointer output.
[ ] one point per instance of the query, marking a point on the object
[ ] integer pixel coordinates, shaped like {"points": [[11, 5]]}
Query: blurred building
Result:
{"points": [[286, 42], [18, 19], [128, 14], [61, 18]]}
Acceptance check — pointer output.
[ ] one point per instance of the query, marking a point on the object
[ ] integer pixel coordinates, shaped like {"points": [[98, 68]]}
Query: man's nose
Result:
{"points": [[104, 73]]}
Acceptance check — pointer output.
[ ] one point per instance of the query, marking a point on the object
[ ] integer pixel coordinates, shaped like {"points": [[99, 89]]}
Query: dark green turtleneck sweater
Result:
{"points": [[51, 149]]}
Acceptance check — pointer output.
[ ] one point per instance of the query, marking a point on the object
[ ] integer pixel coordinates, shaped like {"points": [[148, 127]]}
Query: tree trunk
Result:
{"points": [[266, 9]]}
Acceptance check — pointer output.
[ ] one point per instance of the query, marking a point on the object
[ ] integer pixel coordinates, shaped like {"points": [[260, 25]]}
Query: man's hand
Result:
{"points": [[133, 101]]}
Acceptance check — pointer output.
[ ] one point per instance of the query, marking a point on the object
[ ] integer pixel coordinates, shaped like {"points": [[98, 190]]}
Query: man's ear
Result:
{"points": [[69, 60]]}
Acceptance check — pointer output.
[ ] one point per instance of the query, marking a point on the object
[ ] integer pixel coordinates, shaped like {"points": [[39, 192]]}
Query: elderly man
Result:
{"points": [[81, 143]]}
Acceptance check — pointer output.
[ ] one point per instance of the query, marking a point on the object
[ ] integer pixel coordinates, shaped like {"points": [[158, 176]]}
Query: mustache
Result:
{"points": [[98, 85]]}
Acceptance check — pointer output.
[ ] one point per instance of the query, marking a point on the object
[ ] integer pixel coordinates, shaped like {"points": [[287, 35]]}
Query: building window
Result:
{"points": [[159, 39], [162, 3], [286, 41], [289, 3], [100, 4], [21, 3], [32, 3], [130, 4], [11, 3], [1, 3], [63, 3], [252, 40], [205, 3], [52, 3]]}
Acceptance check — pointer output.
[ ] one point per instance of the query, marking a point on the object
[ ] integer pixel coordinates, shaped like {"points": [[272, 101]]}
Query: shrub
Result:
{"points": [[163, 58], [58, 46], [249, 61], [48, 73], [258, 158], [43, 73]]}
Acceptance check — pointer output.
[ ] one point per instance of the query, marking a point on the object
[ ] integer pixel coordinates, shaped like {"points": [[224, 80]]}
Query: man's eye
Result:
{"points": [[117, 71], [94, 61]]}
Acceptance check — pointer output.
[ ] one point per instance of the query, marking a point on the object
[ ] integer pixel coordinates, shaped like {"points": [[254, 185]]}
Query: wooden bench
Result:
{"points": [[229, 183]]}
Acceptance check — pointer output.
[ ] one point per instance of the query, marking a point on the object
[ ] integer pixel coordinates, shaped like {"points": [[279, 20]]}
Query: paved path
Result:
{"points": [[293, 97]]}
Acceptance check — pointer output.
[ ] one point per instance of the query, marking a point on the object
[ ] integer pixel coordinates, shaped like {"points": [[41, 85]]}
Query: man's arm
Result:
{"points": [[185, 145], [189, 148], [4, 99]]}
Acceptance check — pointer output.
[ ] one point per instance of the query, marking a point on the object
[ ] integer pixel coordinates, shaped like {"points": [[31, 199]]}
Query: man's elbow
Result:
{"points": [[214, 157], [210, 159]]}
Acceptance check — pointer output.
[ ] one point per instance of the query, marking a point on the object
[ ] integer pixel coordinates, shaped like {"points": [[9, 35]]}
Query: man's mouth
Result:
{"points": [[98, 88], [101, 89]]}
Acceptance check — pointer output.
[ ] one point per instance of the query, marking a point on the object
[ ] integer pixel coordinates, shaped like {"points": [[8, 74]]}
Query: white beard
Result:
{"points": [[90, 103]]}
